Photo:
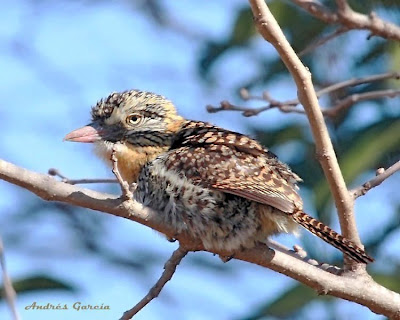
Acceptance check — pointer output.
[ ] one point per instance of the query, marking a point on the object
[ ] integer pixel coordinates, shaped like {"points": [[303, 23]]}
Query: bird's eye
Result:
{"points": [[133, 119]]}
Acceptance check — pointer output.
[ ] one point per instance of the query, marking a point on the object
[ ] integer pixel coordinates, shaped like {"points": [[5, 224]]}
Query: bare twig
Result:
{"points": [[126, 192], [350, 19], [381, 175], [56, 173], [357, 81], [321, 41], [359, 287], [357, 97], [169, 270], [249, 112], [9, 291], [289, 106]]}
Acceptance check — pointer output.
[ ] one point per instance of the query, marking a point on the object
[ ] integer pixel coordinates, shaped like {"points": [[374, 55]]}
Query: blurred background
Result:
{"points": [[58, 58]]}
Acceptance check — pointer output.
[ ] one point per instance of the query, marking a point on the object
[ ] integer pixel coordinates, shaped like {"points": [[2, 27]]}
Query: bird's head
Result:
{"points": [[134, 117], [136, 126]]}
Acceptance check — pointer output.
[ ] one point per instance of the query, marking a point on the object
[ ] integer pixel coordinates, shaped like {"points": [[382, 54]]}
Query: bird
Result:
{"points": [[222, 187]]}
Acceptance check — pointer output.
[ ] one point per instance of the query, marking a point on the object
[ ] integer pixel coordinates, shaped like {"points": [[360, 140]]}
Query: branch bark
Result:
{"points": [[270, 30], [348, 18], [289, 106], [380, 177], [56, 173], [354, 286], [169, 270], [352, 99]]}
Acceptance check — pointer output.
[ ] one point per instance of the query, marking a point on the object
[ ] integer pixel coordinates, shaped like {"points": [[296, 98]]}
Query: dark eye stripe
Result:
{"points": [[153, 114], [151, 138]]}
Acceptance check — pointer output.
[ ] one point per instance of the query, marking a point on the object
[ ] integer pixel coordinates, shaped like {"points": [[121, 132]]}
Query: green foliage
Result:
{"points": [[40, 283], [287, 303], [242, 32], [301, 29]]}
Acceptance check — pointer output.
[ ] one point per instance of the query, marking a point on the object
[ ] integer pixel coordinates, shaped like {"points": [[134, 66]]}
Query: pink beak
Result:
{"points": [[88, 134]]}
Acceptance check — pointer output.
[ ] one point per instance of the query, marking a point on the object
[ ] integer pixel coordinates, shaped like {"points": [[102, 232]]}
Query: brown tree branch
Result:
{"points": [[357, 81], [354, 286], [9, 292], [169, 270], [346, 17], [56, 173], [381, 175], [357, 97], [250, 112], [270, 30], [300, 253], [321, 41], [289, 106]]}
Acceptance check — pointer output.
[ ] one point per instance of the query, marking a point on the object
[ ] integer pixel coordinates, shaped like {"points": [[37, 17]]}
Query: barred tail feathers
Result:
{"points": [[332, 237]]}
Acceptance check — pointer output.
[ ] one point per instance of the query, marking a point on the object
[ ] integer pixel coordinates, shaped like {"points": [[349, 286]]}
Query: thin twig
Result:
{"points": [[289, 106], [250, 112], [381, 176], [169, 270], [9, 291], [56, 173], [357, 81], [346, 17], [357, 97], [321, 41], [126, 192]]}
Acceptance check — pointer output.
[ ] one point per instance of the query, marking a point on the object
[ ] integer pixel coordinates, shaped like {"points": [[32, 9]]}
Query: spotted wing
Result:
{"points": [[237, 165]]}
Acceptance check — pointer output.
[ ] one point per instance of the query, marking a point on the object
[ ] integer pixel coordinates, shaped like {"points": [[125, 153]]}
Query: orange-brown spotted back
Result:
{"points": [[234, 163]]}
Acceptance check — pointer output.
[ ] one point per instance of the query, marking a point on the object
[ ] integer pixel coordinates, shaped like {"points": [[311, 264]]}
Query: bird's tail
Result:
{"points": [[332, 237]]}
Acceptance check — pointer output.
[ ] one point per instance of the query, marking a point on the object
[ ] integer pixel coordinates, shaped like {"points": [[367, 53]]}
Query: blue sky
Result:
{"points": [[75, 54]]}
